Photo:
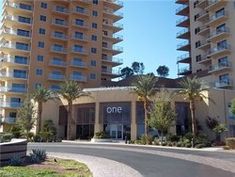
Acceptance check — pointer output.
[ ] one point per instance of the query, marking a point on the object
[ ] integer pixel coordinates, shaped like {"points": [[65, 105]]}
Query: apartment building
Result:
{"points": [[208, 33], [44, 43]]}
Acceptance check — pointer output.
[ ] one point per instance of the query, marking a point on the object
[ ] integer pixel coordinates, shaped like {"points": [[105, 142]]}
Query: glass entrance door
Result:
{"points": [[116, 131]]}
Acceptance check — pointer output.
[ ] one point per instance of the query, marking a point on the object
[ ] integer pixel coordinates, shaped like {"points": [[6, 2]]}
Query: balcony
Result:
{"points": [[59, 50], [9, 46], [220, 50], [204, 31], [113, 60], [11, 89], [79, 78], [80, 25], [219, 34], [114, 49], [181, 1], [82, 38], [81, 12], [114, 4], [8, 60], [184, 71], [183, 22], [59, 36], [185, 58], [20, 8], [14, 21], [183, 34], [111, 72], [205, 45], [13, 76], [59, 23], [57, 63], [79, 64], [115, 16], [205, 60], [8, 120], [203, 16], [220, 67], [218, 18], [11, 34], [202, 4], [60, 10], [183, 10], [80, 51], [184, 46], [56, 77], [225, 83], [114, 38], [115, 27], [214, 4], [10, 104]]}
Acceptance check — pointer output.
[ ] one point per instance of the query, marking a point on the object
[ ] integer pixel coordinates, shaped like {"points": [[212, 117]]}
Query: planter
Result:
{"points": [[96, 140], [16, 147]]}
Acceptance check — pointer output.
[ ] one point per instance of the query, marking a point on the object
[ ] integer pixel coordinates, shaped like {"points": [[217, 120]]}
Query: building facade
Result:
{"points": [[208, 34], [44, 43], [118, 112]]}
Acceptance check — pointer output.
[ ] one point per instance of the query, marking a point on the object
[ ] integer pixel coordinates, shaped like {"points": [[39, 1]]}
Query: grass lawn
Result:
{"points": [[49, 168]]}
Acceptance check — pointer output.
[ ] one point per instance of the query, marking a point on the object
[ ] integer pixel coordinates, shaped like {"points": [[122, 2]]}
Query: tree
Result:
{"points": [[70, 91], [40, 96], [126, 72], [192, 90], [144, 87], [233, 107], [137, 67], [25, 117], [163, 71], [49, 130]]}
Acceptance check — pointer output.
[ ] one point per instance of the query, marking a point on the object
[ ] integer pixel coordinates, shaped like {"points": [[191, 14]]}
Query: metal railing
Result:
{"points": [[183, 44], [219, 48], [220, 66], [56, 76], [57, 63], [186, 30], [113, 59], [182, 7], [219, 31], [10, 104], [183, 57], [13, 89], [11, 59], [185, 18], [58, 49], [78, 78]]}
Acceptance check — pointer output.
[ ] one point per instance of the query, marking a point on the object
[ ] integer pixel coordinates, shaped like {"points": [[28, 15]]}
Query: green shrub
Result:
{"points": [[188, 136], [169, 144], [200, 146], [37, 138], [5, 137], [16, 131], [230, 142], [146, 139], [16, 160], [179, 144], [226, 148], [202, 139], [39, 153], [34, 158], [101, 135], [188, 145], [156, 141], [164, 144], [173, 138]]}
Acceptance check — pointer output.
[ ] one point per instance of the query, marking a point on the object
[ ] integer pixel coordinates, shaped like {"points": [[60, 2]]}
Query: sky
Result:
{"points": [[149, 34]]}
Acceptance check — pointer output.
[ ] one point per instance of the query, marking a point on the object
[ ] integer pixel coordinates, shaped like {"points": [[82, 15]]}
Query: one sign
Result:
{"points": [[112, 110]]}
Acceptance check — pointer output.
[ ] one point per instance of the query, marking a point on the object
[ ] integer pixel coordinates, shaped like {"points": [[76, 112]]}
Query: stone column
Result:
{"points": [[133, 121], [98, 124]]}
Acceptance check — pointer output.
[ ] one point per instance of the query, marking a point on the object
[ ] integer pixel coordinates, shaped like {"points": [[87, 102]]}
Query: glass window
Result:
{"points": [[39, 72], [93, 63], [95, 2], [21, 32], [59, 21], [94, 38], [21, 59], [37, 85], [43, 5], [80, 9], [18, 87], [79, 22], [94, 13], [78, 35], [24, 19], [94, 25], [41, 44], [43, 18], [41, 31], [19, 73], [40, 58], [93, 50], [93, 76], [22, 46], [25, 6], [78, 48]]}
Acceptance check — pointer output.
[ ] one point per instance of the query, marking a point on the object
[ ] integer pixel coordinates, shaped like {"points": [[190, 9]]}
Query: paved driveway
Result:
{"points": [[154, 162]]}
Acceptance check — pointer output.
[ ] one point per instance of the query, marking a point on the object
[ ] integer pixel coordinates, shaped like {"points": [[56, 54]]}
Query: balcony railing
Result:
{"points": [[10, 104], [82, 38], [18, 6], [113, 59], [117, 2], [184, 70], [78, 63], [220, 66], [183, 44], [186, 30], [112, 12], [58, 49], [223, 83], [219, 31], [182, 7], [13, 89], [53, 76], [11, 59], [81, 11], [110, 71], [8, 120], [59, 36], [16, 19], [78, 78], [181, 20], [14, 32], [183, 57], [78, 50], [219, 49], [14, 46], [217, 16], [58, 63], [16, 75], [60, 9], [60, 23], [81, 25]]}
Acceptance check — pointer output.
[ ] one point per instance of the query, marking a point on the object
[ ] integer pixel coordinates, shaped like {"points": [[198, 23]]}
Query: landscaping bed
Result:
{"points": [[51, 167]]}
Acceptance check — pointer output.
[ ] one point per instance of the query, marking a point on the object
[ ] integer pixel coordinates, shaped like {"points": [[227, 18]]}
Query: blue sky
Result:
{"points": [[149, 34]]}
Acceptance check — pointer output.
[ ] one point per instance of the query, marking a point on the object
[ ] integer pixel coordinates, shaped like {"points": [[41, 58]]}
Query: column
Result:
{"points": [[133, 121]]}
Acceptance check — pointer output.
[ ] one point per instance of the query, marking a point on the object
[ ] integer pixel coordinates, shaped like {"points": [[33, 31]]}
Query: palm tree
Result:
{"points": [[192, 90], [144, 87], [40, 96], [70, 91]]}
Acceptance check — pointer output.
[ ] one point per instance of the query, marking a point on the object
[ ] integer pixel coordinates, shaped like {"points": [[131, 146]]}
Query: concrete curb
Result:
{"points": [[100, 167]]}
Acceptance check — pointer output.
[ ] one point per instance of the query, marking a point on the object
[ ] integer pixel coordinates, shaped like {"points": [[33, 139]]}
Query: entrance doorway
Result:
{"points": [[116, 131]]}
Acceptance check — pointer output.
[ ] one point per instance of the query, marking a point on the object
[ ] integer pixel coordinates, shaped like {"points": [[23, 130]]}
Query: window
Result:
{"points": [[78, 35], [43, 18], [222, 44], [43, 5], [39, 72], [105, 33], [19, 73], [94, 38], [37, 85], [196, 17], [41, 44], [220, 28], [195, 4], [93, 63], [93, 50], [219, 13], [79, 22], [22, 46], [94, 13], [197, 30], [61, 9], [55, 87], [223, 61], [94, 25], [224, 78], [59, 34], [199, 70], [21, 32], [77, 62], [197, 44], [93, 76], [18, 87], [198, 58], [80, 9], [25, 6], [24, 19], [78, 48], [95, 2], [41, 31], [21, 59], [40, 58], [105, 44]]}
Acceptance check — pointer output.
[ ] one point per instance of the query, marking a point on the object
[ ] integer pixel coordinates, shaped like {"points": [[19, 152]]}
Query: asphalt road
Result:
{"points": [[148, 165]]}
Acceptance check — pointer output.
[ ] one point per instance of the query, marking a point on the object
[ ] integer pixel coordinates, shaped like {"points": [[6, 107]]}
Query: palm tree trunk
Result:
{"points": [[145, 119], [193, 118], [69, 121], [39, 116]]}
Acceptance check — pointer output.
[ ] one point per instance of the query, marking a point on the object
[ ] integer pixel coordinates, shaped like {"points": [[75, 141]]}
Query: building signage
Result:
{"points": [[113, 110]]}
